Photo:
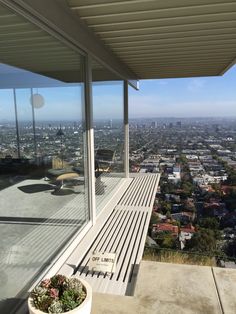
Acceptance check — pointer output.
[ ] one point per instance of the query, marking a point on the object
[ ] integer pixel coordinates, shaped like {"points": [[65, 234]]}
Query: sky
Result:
{"points": [[188, 97]]}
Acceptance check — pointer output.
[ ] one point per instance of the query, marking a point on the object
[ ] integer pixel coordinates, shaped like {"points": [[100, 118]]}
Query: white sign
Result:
{"points": [[103, 262]]}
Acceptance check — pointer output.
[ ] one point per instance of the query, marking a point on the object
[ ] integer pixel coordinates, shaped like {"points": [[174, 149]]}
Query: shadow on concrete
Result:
{"points": [[10, 306], [63, 191], [35, 188], [39, 221], [81, 269], [72, 266], [132, 280]]}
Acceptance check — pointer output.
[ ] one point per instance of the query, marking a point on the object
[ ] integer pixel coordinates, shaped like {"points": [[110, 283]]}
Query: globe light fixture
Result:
{"points": [[37, 101]]}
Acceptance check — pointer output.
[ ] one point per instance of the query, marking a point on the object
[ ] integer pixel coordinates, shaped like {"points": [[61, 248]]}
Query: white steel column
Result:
{"points": [[33, 123], [17, 124], [126, 129], [90, 138]]}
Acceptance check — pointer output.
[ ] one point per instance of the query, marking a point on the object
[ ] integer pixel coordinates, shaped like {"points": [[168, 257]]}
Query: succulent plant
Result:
{"points": [[58, 294], [58, 281], [56, 307], [38, 292], [74, 283], [43, 302], [81, 297]]}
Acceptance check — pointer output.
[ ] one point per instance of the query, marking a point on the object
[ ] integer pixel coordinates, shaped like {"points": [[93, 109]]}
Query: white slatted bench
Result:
{"points": [[124, 233]]}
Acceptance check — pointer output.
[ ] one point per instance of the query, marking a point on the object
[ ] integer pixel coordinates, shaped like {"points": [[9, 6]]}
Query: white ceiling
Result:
{"points": [[168, 38], [152, 38]]}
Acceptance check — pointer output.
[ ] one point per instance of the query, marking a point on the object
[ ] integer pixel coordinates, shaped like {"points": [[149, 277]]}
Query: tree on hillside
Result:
{"points": [[182, 159], [187, 188], [166, 240], [165, 207], [202, 241], [154, 218], [213, 224], [231, 248], [209, 223], [230, 200], [217, 190], [231, 177], [168, 214]]}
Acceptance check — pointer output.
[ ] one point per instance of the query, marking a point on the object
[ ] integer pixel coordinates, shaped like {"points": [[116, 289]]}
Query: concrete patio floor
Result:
{"points": [[165, 288]]}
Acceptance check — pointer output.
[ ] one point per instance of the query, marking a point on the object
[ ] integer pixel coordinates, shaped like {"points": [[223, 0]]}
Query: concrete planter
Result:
{"points": [[83, 308]]}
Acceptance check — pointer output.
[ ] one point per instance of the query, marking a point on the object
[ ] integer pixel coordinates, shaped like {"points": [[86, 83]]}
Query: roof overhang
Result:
{"points": [[165, 39], [133, 39]]}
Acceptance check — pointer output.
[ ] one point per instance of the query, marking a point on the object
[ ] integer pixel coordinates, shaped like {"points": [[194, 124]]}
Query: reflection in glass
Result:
{"points": [[43, 184], [108, 134]]}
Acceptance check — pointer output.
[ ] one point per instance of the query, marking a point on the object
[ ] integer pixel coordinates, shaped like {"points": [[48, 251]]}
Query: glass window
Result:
{"points": [[108, 133], [43, 181]]}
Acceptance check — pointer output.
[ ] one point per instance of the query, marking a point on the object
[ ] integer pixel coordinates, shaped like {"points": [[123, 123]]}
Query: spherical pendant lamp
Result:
{"points": [[37, 101]]}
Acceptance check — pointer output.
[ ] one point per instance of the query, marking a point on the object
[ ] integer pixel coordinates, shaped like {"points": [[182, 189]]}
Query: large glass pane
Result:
{"points": [[108, 134], [43, 185]]}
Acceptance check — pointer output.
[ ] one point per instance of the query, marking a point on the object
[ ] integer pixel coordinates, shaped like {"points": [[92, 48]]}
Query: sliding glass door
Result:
{"points": [[43, 180]]}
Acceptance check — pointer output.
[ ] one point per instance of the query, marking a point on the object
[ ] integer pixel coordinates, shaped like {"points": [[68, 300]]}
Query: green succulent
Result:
{"points": [[43, 302], [38, 292], [69, 299], [56, 307]]}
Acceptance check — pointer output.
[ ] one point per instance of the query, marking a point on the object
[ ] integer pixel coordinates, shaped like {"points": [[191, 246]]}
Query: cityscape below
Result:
{"points": [[194, 210]]}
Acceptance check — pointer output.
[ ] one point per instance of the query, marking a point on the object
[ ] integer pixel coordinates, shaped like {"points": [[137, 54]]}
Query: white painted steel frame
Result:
{"points": [[90, 138], [17, 123], [126, 129]]}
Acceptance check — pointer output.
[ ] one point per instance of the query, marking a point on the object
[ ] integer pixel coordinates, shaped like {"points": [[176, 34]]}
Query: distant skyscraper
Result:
{"points": [[111, 123], [153, 124], [179, 124]]}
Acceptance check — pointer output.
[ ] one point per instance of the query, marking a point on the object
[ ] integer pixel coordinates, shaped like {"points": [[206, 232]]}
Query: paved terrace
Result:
{"points": [[164, 288]]}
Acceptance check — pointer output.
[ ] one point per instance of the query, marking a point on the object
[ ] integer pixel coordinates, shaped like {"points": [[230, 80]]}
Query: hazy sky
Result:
{"points": [[200, 97], [206, 96]]}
